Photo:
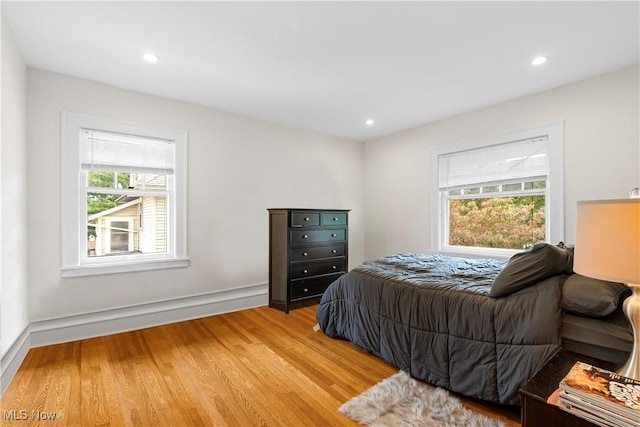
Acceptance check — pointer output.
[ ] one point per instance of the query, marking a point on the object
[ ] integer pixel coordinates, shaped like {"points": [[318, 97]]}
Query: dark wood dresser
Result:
{"points": [[308, 250]]}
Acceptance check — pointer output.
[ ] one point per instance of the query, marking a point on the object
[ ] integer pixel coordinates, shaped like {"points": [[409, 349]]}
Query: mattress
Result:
{"points": [[607, 338]]}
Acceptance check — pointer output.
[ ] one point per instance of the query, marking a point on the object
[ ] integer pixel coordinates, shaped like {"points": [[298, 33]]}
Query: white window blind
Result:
{"points": [[496, 164], [115, 152]]}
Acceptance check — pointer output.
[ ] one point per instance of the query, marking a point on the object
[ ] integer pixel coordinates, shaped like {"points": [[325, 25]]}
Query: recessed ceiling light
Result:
{"points": [[150, 57], [369, 122], [539, 60]]}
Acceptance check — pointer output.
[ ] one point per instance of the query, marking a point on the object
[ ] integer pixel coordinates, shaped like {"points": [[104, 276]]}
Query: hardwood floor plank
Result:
{"points": [[209, 376], [119, 354], [65, 395], [161, 348], [257, 367], [252, 390]]}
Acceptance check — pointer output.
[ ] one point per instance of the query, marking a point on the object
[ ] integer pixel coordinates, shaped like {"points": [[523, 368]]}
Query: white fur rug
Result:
{"points": [[402, 401]]}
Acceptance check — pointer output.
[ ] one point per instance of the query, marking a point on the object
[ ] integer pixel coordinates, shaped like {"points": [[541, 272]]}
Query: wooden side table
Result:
{"points": [[535, 411]]}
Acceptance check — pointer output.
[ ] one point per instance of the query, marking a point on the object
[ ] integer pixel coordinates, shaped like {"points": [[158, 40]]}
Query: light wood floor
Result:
{"points": [[257, 367]]}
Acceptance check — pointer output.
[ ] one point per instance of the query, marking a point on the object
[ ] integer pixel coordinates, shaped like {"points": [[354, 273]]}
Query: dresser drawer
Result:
{"points": [[313, 236], [305, 219], [334, 218], [308, 288], [316, 269], [318, 252]]}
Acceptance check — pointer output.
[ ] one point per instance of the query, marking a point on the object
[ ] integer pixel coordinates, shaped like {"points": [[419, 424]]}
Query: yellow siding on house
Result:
{"points": [[153, 232], [161, 224]]}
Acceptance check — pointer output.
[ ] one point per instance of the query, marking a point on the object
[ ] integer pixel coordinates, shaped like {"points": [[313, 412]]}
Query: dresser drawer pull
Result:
{"points": [[305, 236], [333, 251], [306, 290], [306, 218], [304, 254], [305, 271], [335, 219], [333, 234], [334, 267]]}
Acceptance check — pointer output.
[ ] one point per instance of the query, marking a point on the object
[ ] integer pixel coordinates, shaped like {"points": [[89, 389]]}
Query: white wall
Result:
{"points": [[14, 316], [238, 167], [601, 152]]}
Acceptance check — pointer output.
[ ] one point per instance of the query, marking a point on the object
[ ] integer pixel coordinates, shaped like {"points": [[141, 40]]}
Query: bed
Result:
{"points": [[478, 327], [593, 322]]}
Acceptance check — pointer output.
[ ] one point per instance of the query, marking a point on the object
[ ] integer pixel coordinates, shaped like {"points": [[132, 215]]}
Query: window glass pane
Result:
{"points": [[475, 190], [512, 187], [499, 222], [124, 179], [101, 179], [107, 179], [455, 192], [491, 189], [97, 202], [121, 224], [540, 184], [149, 182]]}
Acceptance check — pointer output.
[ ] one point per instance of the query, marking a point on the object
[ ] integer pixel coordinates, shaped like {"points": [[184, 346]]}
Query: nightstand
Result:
{"points": [[534, 394]]}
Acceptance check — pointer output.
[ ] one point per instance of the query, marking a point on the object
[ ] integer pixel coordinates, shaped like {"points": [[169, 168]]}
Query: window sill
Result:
{"points": [[122, 267]]}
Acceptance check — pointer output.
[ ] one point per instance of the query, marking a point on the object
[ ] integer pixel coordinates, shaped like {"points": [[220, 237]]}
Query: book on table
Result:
{"points": [[594, 413], [601, 396]]}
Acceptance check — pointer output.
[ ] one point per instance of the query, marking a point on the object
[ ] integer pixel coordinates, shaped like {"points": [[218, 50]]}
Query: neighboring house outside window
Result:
{"points": [[136, 224], [497, 196], [123, 196]]}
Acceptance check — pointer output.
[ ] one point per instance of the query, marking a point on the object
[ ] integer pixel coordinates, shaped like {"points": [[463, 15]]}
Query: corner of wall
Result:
{"points": [[14, 316]]}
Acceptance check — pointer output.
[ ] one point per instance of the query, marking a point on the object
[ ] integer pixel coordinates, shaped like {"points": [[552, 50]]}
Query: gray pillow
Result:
{"points": [[591, 297], [530, 267]]}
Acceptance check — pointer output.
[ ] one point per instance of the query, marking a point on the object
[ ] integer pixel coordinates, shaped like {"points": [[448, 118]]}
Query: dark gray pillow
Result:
{"points": [[530, 267], [591, 297]]}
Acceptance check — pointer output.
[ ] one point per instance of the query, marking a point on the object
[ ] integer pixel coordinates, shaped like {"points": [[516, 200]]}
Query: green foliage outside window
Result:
{"points": [[97, 202], [502, 222]]}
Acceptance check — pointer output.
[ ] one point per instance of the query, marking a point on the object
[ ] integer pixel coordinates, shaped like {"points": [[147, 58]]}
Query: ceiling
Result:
{"points": [[329, 66]]}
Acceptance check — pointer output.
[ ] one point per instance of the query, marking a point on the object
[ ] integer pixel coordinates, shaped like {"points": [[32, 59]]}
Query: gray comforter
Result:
{"points": [[432, 316]]}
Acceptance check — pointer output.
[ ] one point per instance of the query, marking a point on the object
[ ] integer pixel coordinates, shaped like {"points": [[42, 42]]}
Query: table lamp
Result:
{"points": [[608, 248]]}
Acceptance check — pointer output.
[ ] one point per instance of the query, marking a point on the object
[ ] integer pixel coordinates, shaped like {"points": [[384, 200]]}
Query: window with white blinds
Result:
{"points": [[499, 195], [483, 167], [123, 196]]}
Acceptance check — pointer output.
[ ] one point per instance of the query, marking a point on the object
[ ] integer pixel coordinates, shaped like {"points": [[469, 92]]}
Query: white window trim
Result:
{"points": [[72, 204], [554, 206]]}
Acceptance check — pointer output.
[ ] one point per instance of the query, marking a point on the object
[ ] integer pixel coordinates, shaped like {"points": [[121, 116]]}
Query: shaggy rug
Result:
{"points": [[402, 401]]}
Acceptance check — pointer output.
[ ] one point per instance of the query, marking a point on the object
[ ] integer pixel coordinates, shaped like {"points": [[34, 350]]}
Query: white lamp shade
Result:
{"points": [[608, 240]]}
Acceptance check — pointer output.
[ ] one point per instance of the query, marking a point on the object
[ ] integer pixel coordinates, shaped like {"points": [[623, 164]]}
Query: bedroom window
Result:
{"points": [[499, 196], [123, 196]]}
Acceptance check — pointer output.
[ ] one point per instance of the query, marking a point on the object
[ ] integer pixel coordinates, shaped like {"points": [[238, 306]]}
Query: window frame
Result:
{"points": [[554, 191], [73, 201]]}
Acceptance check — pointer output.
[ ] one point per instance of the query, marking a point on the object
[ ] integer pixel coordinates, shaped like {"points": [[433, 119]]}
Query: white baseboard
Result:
{"points": [[112, 321], [13, 358]]}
